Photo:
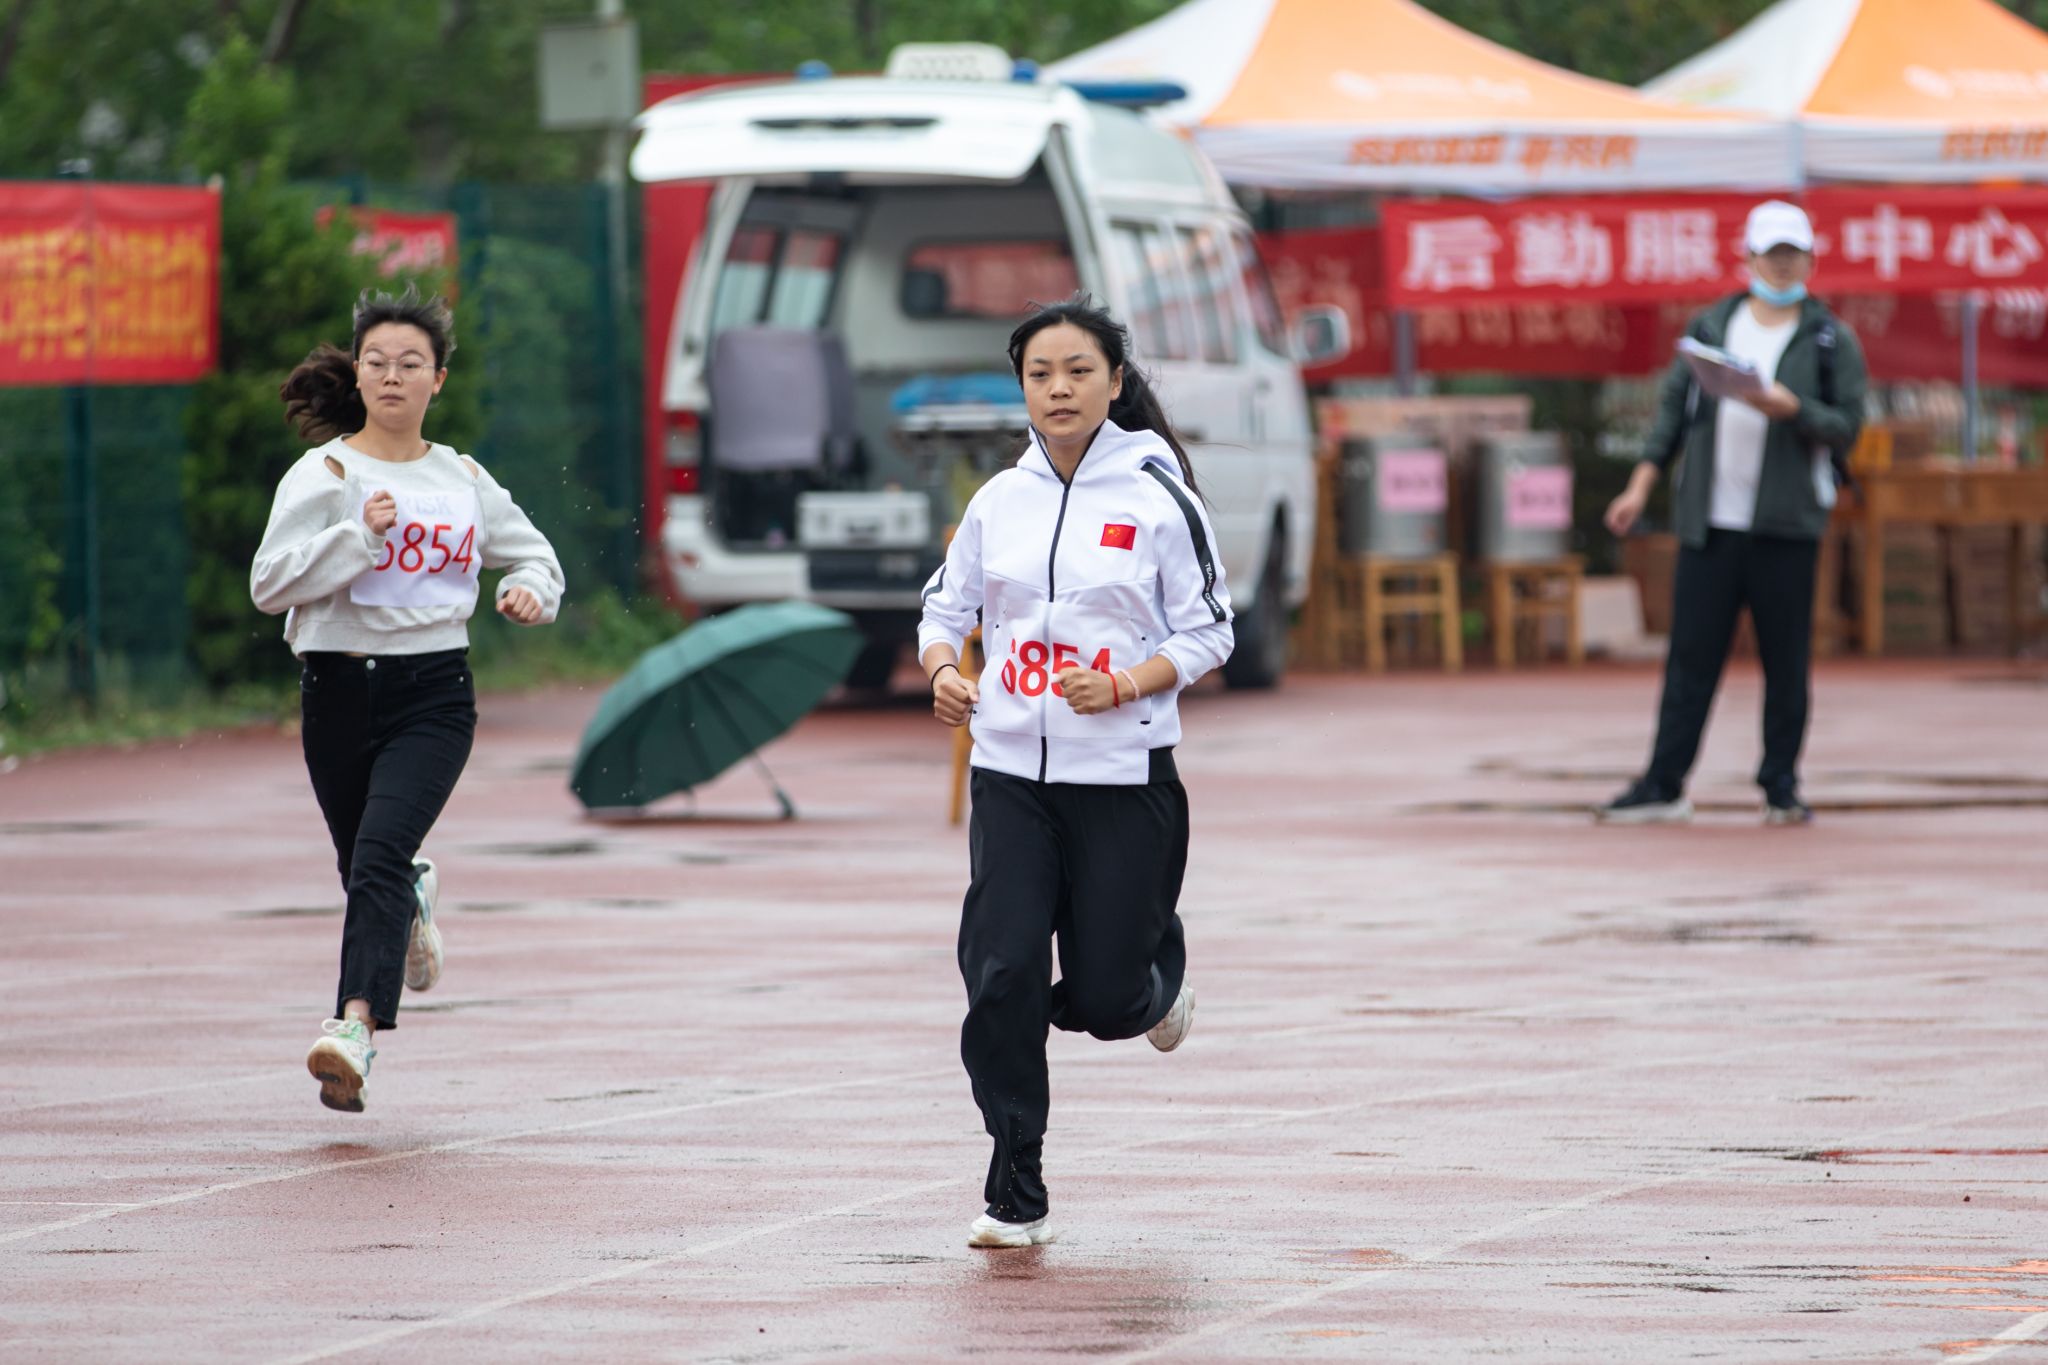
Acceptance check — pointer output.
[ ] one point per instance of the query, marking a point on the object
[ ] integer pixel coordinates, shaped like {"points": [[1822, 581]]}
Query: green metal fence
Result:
{"points": [[95, 553]]}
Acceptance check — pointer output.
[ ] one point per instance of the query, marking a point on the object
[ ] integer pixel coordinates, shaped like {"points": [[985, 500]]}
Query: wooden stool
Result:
{"points": [[963, 742], [1372, 589], [1521, 593]]}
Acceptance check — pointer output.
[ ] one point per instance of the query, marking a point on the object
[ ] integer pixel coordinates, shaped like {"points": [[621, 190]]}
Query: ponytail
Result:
{"points": [[321, 398], [1137, 407]]}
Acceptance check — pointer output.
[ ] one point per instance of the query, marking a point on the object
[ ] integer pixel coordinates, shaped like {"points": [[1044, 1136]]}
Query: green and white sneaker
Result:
{"points": [[423, 951], [341, 1062]]}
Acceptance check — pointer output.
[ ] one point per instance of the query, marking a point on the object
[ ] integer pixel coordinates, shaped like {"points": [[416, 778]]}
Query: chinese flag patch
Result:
{"points": [[1120, 537]]}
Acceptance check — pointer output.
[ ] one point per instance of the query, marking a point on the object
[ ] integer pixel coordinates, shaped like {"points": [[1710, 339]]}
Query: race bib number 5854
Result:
{"points": [[430, 557]]}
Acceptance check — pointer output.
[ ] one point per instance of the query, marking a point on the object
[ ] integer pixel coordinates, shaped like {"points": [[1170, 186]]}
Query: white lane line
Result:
{"points": [[1246, 1037], [1658, 999], [1179, 1344], [13, 989], [69, 1203], [295, 1074], [618, 1272], [2021, 1332], [468, 1144], [403, 1330]]}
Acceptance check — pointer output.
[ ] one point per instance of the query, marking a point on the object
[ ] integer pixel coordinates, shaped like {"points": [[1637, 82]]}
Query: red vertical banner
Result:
{"points": [[403, 243], [108, 284]]}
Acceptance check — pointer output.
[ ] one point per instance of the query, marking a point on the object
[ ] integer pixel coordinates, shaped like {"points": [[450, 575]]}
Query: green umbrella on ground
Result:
{"points": [[691, 708]]}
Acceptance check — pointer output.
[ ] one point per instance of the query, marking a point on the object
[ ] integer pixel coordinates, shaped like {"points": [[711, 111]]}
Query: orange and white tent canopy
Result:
{"points": [[1383, 94], [1893, 90]]}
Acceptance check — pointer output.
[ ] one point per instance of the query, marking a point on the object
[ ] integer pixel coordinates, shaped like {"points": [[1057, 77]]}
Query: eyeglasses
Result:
{"points": [[409, 369]]}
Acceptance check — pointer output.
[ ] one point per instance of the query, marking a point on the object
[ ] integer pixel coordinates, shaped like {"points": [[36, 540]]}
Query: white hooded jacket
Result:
{"points": [[1105, 572]]}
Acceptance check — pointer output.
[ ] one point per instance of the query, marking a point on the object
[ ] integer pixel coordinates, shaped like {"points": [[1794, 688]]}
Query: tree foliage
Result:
{"points": [[439, 91]]}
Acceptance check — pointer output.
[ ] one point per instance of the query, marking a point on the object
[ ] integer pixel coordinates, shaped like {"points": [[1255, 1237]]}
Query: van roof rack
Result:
{"points": [[1130, 94]]}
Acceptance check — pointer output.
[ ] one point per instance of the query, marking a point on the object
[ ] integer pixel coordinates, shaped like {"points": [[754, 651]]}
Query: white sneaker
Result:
{"points": [[341, 1061], [1170, 1032], [994, 1232], [423, 952]]}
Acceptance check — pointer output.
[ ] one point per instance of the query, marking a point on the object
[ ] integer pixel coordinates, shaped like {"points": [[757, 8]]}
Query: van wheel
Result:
{"points": [[1261, 654]]}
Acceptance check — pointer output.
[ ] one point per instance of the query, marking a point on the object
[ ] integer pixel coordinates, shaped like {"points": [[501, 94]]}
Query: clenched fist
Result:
{"points": [[380, 513]]}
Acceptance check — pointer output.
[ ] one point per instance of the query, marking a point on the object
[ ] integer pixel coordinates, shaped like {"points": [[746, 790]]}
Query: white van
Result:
{"points": [[835, 384]]}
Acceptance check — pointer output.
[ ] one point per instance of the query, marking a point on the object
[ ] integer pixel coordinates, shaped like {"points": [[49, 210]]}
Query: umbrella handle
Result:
{"points": [[781, 796]]}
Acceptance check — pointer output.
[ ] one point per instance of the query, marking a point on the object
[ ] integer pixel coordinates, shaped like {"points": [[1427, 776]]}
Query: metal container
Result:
{"points": [[1525, 498], [1393, 497]]}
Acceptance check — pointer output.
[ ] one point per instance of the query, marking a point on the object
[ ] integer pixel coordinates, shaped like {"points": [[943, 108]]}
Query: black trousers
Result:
{"points": [[1774, 578], [1097, 868], [385, 738]]}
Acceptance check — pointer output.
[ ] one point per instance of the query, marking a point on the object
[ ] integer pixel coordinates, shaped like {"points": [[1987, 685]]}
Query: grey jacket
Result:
{"points": [[1787, 502]]}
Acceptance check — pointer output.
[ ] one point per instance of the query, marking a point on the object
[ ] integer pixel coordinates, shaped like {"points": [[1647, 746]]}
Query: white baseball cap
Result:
{"points": [[1777, 223]]}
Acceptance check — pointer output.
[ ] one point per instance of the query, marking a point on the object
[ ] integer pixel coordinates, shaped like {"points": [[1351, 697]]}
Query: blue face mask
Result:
{"points": [[1771, 294]]}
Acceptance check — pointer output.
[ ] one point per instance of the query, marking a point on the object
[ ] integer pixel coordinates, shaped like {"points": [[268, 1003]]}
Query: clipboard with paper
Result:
{"points": [[1722, 373]]}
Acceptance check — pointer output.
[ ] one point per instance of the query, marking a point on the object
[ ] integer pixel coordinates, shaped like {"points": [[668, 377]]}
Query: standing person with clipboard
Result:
{"points": [[1090, 567], [1764, 402], [373, 550]]}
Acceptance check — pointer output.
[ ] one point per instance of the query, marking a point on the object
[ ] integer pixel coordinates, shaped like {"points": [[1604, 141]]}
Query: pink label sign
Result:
{"points": [[1412, 481], [1540, 498]]}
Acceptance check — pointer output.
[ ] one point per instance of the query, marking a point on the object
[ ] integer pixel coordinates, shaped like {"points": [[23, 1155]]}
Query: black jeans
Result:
{"points": [[1099, 869], [1774, 578], [385, 738]]}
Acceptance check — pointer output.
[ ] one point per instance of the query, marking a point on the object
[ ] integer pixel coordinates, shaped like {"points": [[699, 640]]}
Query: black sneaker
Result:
{"points": [[1783, 807], [1643, 804]]}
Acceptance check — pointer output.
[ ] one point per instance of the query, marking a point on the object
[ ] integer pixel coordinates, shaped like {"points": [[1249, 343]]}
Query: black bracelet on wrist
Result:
{"points": [[933, 680]]}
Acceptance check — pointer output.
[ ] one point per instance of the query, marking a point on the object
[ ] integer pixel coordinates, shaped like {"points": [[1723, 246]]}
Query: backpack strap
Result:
{"points": [[1828, 340]]}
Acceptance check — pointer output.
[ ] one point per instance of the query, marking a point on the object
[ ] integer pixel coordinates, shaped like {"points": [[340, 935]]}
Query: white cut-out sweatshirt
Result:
{"points": [[317, 549]]}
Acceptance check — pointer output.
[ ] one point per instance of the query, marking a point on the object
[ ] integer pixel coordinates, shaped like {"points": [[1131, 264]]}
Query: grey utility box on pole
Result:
{"points": [[589, 74], [590, 81]]}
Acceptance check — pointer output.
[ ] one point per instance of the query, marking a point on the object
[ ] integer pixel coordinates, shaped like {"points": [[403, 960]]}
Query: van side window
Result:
{"points": [[1258, 292], [1209, 268], [1145, 258], [985, 279]]}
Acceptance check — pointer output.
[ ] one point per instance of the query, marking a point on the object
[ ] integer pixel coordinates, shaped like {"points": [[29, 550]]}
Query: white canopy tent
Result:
{"points": [[1382, 94], [1902, 91]]}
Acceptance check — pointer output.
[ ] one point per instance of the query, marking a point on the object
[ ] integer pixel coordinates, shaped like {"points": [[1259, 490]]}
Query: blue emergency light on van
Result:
{"points": [[1129, 94]]}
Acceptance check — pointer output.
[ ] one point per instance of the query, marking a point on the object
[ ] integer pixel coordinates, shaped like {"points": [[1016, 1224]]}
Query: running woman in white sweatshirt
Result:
{"points": [[1091, 569], [373, 551]]}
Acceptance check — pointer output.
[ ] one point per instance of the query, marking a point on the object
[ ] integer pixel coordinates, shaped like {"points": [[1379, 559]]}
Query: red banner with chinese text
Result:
{"points": [[108, 284], [418, 243], [1649, 248], [1341, 267], [1904, 336]]}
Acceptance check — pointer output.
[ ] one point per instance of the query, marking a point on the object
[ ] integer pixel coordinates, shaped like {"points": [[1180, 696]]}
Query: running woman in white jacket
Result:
{"points": [[1091, 569], [373, 550]]}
